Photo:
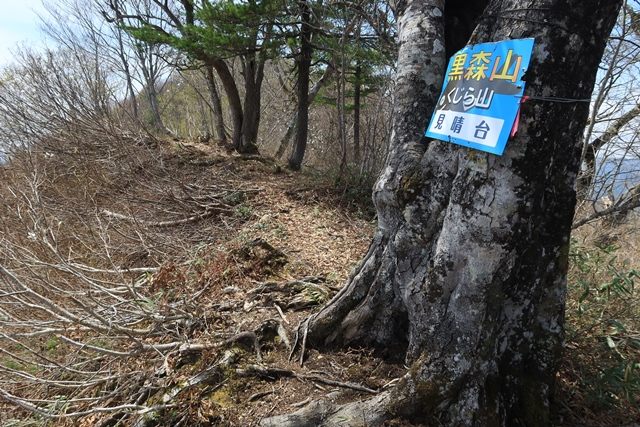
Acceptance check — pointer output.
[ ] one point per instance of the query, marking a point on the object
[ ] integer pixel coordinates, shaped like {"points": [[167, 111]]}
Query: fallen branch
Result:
{"points": [[304, 341], [259, 395], [90, 269], [273, 373], [206, 214], [281, 313], [27, 405], [329, 381], [626, 204], [324, 413]]}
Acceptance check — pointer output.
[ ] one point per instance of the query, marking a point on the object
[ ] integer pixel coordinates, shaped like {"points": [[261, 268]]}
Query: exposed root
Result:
{"points": [[370, 413], [217, 375], [274, 373], [110, 314], [293, 295], [304, 341]]}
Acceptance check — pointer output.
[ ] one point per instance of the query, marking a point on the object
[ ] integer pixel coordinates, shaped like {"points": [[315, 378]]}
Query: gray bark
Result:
{"points": [[253, 72], [342, 123], [216, 106], [295, 119], [466, 274], [245, 118], [235, 105], [152, 96]]}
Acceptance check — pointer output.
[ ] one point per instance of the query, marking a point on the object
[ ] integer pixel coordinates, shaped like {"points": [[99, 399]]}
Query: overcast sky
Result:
{"points": [[18, 24]]}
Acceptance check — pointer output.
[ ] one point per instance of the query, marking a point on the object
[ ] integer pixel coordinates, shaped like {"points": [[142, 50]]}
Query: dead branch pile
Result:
{"points": [[107, 311], [86, 312]]}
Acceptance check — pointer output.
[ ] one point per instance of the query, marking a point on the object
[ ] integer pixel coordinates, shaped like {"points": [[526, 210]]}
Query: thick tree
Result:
{"points": [[466, 273]]}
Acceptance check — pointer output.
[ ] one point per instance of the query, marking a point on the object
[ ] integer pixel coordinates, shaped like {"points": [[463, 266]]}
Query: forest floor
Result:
{"points": [[283, 245]]}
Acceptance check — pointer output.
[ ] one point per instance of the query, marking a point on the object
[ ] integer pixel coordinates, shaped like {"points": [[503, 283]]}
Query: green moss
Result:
{"points": [[222, 397], [51, 344], [18, 366], [429, 391], [410, 186]]}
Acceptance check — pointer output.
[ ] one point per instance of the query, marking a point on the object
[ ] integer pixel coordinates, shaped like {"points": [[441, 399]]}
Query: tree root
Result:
{"points": [[296, 294], [370, 413], [272, 373]]}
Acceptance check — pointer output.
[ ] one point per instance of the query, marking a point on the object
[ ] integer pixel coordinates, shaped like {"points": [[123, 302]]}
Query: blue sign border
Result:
{"points": [[503, 106]]}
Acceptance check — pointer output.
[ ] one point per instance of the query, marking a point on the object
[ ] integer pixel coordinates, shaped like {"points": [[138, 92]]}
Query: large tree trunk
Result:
{"points": [[304, 66], [216, 106], [466, 274], [152, 96], [253, 75], [235, 105]]}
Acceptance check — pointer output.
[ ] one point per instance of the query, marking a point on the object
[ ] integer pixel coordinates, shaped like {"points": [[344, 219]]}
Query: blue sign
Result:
{"points": [[481, 95]]}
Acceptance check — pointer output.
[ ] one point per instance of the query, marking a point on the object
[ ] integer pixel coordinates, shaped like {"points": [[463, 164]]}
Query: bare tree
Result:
{"points": [[610, 172], [79, 27]]}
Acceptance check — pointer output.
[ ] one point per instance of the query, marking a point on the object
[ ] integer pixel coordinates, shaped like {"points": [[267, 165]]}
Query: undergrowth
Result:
{"points": [[352, 186], [602, 356]]}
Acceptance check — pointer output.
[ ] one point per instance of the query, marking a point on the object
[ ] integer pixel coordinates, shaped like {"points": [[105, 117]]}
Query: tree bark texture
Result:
{"points": [[235, 105], [304, 66], [216, 106], [245, 118], [342, 120], [466, 273], [253, 71], [295, 120]]}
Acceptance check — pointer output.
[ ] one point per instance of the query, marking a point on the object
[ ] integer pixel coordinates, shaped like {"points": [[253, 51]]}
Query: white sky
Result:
{"points": [[19, 23]]}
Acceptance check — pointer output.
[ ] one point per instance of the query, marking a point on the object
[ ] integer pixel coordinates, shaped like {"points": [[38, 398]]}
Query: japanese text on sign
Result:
{"points": [[481, 95]]}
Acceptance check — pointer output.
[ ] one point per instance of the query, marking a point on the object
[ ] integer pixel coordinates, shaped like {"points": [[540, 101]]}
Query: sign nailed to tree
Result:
{"points": [[481, 95]]}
